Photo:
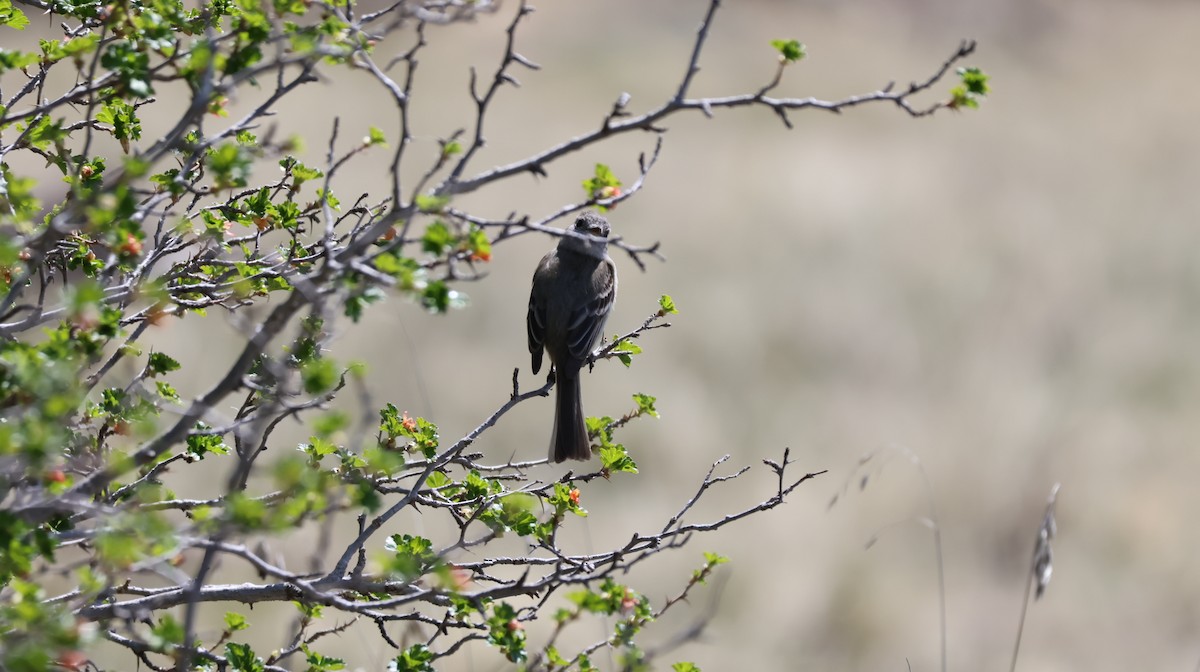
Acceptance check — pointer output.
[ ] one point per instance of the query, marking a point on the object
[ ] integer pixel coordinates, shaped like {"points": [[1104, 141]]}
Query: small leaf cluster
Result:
{"points": [[506, 632], [414, 279], [973, 88], [612, 599], [416, 658], [422, 435], [614, 457], [602, 186], [41, 636], [790, 51], [469, 242], [411, 556], [115, 237]]}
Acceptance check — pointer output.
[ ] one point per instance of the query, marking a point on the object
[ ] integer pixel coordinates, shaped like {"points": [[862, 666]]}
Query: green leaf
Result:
{"points": [[309, 611], [666, 305], [235, 621], [645, 404], [975, 80], [19, 547], [974, 85], [356, 303], [437, 297], [711, 560], [166, 391], [515, 513], [201, 444], [790, 51], [616, 459], [327, 424], [413, 556], [554, 658], [160, 363], [415, 658], [320, 663], [390, 421], [248, 513], [166, 633], [428, 203], [13, 60], [241, 658], [685, 667], [230, 164], [437, 238], [11, 16], [479, 245], [44, 132], [506, 632], [127, 60], [318, 375], [423, 432], [566, 498], [478, 487], [404, 270], [300, 173], [123, 118], [319, 448], [600, 427], [610, 598], [375, 138], [602, 185], [625, 350]]}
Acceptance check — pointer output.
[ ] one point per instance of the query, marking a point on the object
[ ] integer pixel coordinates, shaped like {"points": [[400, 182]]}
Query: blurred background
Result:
{"points": [[1012, 294]]}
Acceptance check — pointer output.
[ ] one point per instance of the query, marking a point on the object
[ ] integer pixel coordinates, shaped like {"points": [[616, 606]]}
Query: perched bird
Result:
{"points": [[574, 288]]}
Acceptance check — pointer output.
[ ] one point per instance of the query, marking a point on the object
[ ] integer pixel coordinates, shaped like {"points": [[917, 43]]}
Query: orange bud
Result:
{"points": [[132, 246], [459, 579], [628, 602], [72, 660], [156, 314]]}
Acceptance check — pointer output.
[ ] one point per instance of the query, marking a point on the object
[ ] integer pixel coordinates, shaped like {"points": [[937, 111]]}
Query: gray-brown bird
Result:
{"points": [[574, 288]]}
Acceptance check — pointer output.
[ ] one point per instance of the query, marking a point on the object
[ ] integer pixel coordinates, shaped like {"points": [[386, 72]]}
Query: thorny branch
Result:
{"points": [[185, 255]]}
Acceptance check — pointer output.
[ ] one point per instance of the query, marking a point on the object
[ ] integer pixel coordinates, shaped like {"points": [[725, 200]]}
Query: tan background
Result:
{"points": [[1012, 294]]}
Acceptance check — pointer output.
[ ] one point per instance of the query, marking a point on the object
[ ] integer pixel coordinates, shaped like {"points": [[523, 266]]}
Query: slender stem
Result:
{"points": [[1021, 622]]}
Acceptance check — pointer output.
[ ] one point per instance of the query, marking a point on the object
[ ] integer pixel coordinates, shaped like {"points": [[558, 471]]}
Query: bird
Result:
{"points": [[574, 288]]}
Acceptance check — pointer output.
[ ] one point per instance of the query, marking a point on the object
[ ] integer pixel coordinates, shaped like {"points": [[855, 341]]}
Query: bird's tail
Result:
{"points": [[569, 440]]}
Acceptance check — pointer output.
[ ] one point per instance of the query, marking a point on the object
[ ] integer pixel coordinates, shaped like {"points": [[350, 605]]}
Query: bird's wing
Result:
{"points": [[587, 320], [535, 327]]}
